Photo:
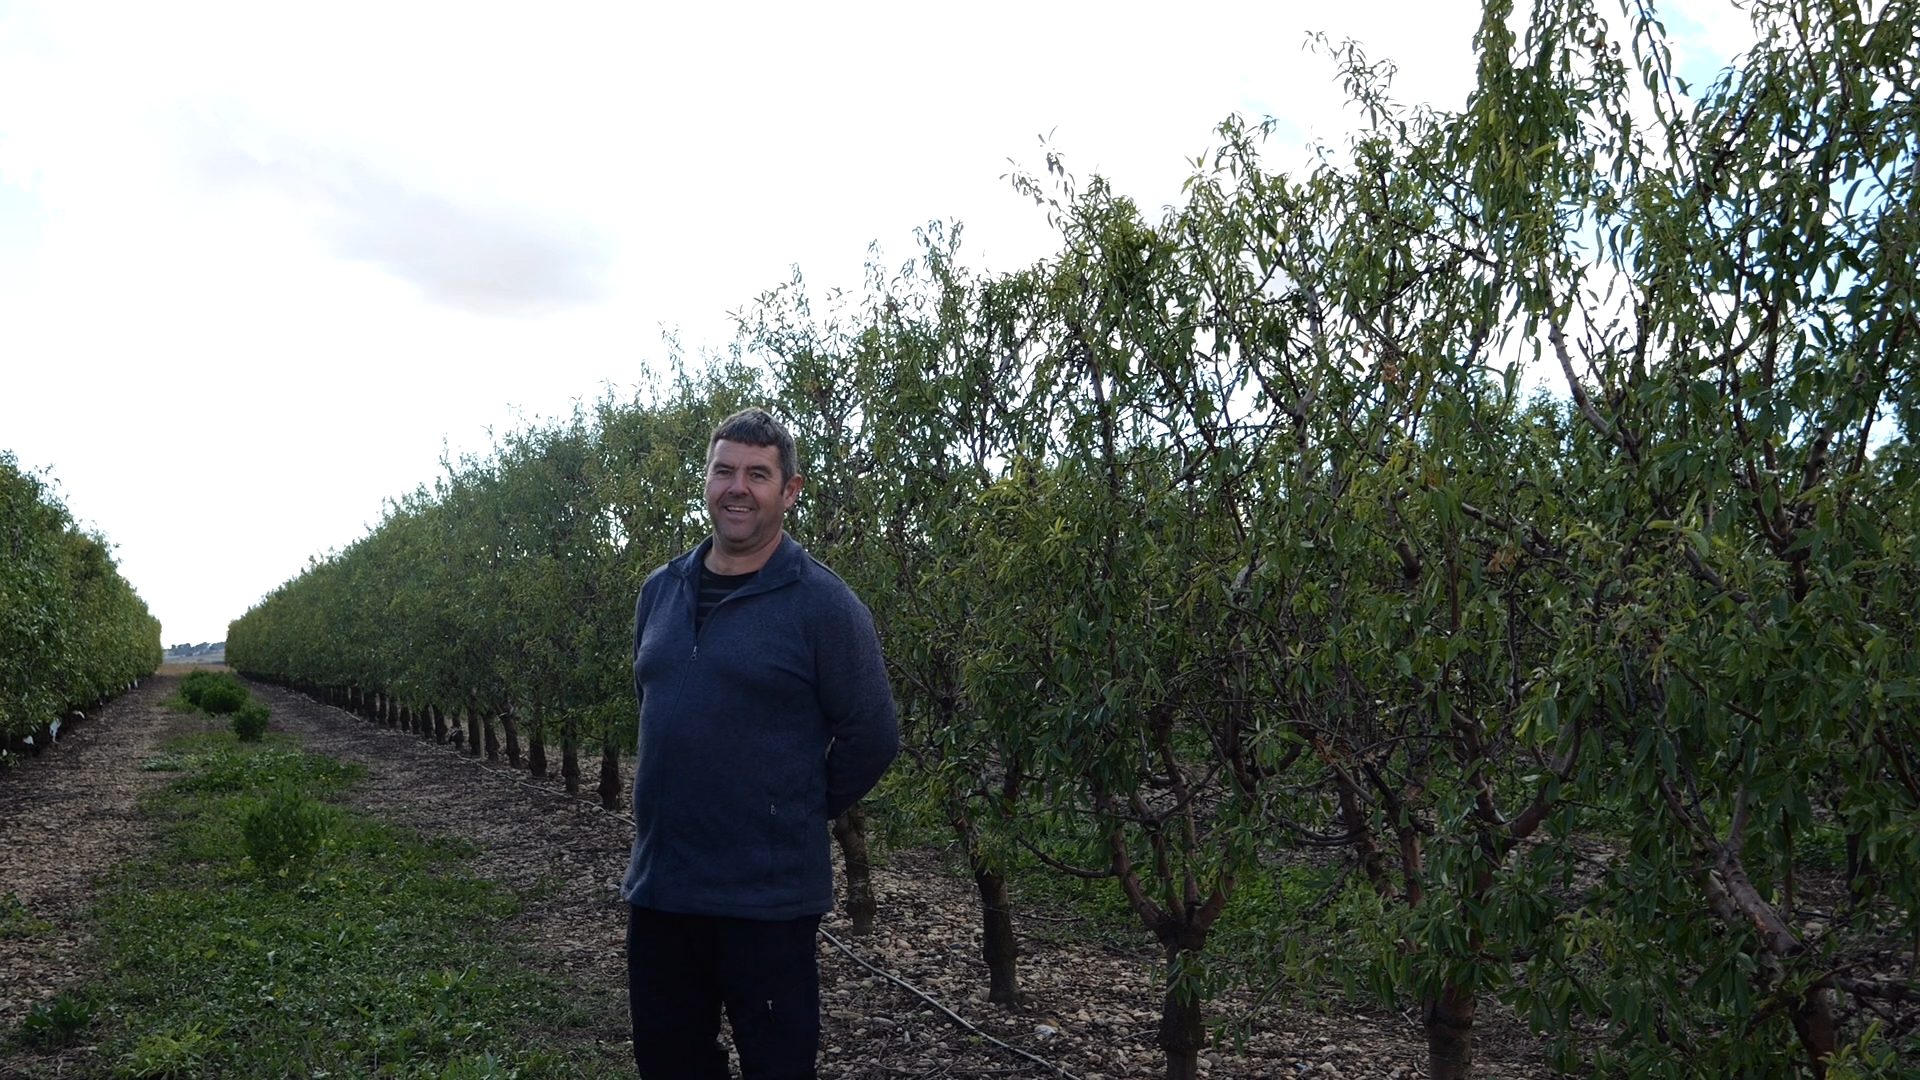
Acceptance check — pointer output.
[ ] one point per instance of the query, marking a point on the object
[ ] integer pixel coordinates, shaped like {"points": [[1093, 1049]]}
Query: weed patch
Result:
{"points": [[250, 721], [16, 922], [275, 934], [56, 1023]]}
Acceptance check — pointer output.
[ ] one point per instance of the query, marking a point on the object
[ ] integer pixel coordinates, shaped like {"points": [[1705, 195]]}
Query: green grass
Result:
{"points": [[17, 922], [372, 959]]}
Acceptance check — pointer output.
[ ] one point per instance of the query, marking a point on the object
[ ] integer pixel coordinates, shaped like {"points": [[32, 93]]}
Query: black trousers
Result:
{"points": [[683, 970]]}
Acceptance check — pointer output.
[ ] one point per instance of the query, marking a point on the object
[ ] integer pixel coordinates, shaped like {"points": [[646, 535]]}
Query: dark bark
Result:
{"points": [[510, 732], [537, 740], [1813, 1022], [1182, 1033], [850, 830], [439, 724], [1449, 1024], [998, 946], [609, 775], [473, 727], [570, 754]]}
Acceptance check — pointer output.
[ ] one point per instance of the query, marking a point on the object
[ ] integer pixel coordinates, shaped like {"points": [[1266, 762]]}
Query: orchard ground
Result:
{"points": [[71, 815]]}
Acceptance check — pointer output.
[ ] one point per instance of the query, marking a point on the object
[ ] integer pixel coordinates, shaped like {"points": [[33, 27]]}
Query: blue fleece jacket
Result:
{"points": [[754, 734]]}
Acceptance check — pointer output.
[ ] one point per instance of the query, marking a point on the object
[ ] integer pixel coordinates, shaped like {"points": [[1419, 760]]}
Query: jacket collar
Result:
{"points": [[782, 566]]}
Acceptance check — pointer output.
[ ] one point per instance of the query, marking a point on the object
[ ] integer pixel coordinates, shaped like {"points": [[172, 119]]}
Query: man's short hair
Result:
{"points": [[757, 427]]}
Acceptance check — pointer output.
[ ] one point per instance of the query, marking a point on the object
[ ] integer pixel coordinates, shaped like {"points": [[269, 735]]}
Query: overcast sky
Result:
{"points": [[280, 254]]}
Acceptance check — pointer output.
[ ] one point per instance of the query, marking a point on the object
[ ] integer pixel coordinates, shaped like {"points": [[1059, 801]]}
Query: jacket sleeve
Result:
{"points": [[858, 703], [640, 608]]}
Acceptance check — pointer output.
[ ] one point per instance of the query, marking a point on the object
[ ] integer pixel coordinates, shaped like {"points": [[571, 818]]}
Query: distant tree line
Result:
{"points": [[72, 631], [1232, 542]]}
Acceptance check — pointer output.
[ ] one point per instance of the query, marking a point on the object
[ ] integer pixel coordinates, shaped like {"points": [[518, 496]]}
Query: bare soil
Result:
{"points": [[1092, 1012], [67, 816]]}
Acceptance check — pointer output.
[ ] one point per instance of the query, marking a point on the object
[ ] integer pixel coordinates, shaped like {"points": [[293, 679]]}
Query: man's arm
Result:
{"points": [[858, 702]]}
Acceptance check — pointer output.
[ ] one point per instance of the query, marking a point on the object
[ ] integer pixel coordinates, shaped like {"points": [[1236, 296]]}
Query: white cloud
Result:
{"points": [[287, 251]]}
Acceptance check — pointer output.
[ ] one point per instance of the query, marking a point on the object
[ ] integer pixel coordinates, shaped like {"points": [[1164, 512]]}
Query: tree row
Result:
{"points": [[1476, 568], [72, 630]]}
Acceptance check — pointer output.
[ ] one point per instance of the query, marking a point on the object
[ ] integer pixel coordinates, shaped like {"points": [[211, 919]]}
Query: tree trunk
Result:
{"points": [[570, 754], [609, 774], [1813, 1021], [439, 724], [1182, 1033], [537, 740], [1449, 1023], [473, 728], [850, 830], [510, 732], [997, 946]]}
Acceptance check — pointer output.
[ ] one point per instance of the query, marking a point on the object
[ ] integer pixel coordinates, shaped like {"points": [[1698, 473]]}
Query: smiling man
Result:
{"points": [[764, 714]]}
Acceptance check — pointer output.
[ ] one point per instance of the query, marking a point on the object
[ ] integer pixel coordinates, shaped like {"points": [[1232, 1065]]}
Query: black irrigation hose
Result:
{"points": [[949, 1013]]}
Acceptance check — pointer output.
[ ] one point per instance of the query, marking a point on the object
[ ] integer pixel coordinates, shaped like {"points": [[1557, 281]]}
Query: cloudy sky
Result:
{"points": [[281, 254]]}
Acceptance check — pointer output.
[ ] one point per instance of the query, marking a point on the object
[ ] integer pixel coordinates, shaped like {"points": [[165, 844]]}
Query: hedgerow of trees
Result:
{"points": [[72, 631], [1511, 517]]}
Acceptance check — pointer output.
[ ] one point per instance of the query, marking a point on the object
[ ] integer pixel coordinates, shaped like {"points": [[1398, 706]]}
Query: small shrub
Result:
{"points": [[285, 833], [58, 1022], [220, 699], [196, 683], [250, 722], [213, 691]]}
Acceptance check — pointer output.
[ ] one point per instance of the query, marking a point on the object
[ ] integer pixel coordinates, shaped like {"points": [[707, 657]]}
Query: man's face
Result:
{"points": [[746, 498]]}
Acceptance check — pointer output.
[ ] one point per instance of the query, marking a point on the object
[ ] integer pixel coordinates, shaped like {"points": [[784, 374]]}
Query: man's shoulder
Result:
{"points": [[831, 603], [672, 570], [817, 575]]}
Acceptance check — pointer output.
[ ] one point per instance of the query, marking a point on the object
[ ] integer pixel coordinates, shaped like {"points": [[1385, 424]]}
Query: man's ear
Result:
{"points": [[792, 493]]}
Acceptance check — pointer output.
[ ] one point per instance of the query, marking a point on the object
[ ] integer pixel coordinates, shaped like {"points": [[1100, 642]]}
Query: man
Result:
{"points": [[764, 714]]}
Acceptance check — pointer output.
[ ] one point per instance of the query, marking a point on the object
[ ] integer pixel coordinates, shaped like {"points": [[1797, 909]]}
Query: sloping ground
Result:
{"points": [[1092, 1013]]}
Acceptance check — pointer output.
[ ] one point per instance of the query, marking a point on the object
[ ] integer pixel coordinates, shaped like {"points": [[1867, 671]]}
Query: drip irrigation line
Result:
{"points": [[949, 1013]]}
